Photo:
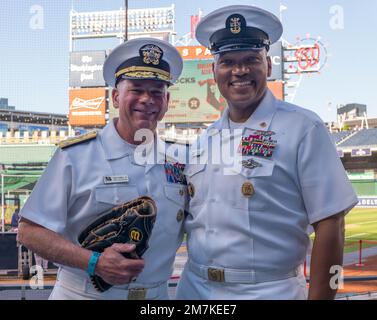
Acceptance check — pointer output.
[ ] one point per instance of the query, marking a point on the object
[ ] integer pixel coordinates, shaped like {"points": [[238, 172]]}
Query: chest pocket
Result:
{"points": [[176, 193], [197, 185], [110, 196], [261, 178], [265, 170], [230, 188], [171, 210]]}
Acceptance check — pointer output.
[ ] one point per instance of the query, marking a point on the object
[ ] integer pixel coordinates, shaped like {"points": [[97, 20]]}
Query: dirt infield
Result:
{"points": [[49, 280], [369, 268]]}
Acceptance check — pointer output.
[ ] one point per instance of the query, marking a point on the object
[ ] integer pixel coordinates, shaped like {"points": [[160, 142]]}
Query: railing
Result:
{"points": [[360, 262]]}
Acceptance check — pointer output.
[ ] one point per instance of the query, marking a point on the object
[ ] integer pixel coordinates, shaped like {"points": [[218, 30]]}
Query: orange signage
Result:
{"points": [[87, 107], [276, 88], [194, 52]]}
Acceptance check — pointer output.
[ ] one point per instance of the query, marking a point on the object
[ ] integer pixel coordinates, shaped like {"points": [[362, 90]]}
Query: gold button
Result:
{"points": [[181, 192], [191, 190], [180, 215], [263, 124], [247, 189]]}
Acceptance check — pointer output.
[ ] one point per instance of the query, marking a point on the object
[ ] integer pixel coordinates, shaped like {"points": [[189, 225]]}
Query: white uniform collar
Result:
{"points": [[113, 144], [259, 120]]}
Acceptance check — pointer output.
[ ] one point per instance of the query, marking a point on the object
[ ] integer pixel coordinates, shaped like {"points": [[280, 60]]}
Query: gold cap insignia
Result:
{"points": [[235, 23], [151, 54]]}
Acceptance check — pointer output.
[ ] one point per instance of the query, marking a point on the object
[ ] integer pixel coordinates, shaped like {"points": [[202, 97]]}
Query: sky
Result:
{"points": [[34, 62]]}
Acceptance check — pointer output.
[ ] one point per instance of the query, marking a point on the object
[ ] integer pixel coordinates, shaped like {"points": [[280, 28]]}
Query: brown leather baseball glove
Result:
{"points": [[131, 222]]}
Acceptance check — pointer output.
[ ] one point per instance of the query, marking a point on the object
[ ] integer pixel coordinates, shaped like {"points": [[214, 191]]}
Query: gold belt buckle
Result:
{"points": [[137, 294], [216, 275]]}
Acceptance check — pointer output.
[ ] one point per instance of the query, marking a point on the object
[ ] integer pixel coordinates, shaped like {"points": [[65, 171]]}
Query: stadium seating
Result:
{"points": [[339, 136], [34, 137], [367, 137]]}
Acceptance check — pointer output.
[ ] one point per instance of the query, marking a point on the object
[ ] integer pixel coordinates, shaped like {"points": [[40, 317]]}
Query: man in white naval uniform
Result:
{"points": [[248, 219], [96, 172]]}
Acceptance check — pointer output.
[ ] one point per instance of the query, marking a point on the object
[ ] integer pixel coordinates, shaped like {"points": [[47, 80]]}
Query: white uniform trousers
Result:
{"points": [[70, 286], [193, 287]]}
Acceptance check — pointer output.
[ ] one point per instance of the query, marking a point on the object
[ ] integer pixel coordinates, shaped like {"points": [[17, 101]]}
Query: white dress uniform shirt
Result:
{"points": [[259, 240], [71, 194]]}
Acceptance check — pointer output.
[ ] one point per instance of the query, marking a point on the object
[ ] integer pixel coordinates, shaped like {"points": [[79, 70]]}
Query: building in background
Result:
{"points": [[354, 116], [4, 105]]}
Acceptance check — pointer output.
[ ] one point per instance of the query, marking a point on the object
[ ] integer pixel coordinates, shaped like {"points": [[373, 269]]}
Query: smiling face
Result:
{"points": [[242, 80], [141, 103]]}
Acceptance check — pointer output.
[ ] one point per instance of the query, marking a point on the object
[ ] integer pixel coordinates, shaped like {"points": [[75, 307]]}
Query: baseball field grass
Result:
{"points": [[361, 224]]}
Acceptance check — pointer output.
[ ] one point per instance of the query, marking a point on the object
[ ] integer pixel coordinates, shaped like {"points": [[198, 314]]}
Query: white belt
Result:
{"points": [[132, 291], [238, 275]]}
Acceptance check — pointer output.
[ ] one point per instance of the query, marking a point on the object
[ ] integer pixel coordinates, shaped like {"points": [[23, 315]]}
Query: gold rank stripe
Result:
{"points": [[134, 69], [77, 140], [147, 75]]}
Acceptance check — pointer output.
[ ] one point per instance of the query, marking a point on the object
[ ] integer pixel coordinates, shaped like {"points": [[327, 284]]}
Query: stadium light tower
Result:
{"points": [[123, 24], [126, 20]]}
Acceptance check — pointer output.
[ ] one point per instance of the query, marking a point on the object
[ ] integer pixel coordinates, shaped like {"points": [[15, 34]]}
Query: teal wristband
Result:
{"points": [[93, 262]]}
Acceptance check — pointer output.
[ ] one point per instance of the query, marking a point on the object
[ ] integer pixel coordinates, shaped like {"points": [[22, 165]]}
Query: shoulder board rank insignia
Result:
{"points": [[77, 140]]}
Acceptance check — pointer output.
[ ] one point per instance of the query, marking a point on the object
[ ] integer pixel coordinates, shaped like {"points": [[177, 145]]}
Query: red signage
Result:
{"points": [[194, 24]]}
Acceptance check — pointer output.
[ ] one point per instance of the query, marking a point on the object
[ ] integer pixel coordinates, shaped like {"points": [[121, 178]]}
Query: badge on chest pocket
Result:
{"points": [[174, 172]]}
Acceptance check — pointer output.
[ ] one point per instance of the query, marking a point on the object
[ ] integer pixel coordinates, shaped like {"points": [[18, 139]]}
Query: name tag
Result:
{"points": [[115, 179]]}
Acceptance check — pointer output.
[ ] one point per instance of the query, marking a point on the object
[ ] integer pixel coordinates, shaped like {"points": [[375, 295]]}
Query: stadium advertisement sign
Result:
{"points": [[87, 107], [113, 112], [361, 152], [85, 69], [361, 176], [195, 97], [156, 35], [367, 202], [202, 53], [276, 54], [194, 53], [277, 88]]}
